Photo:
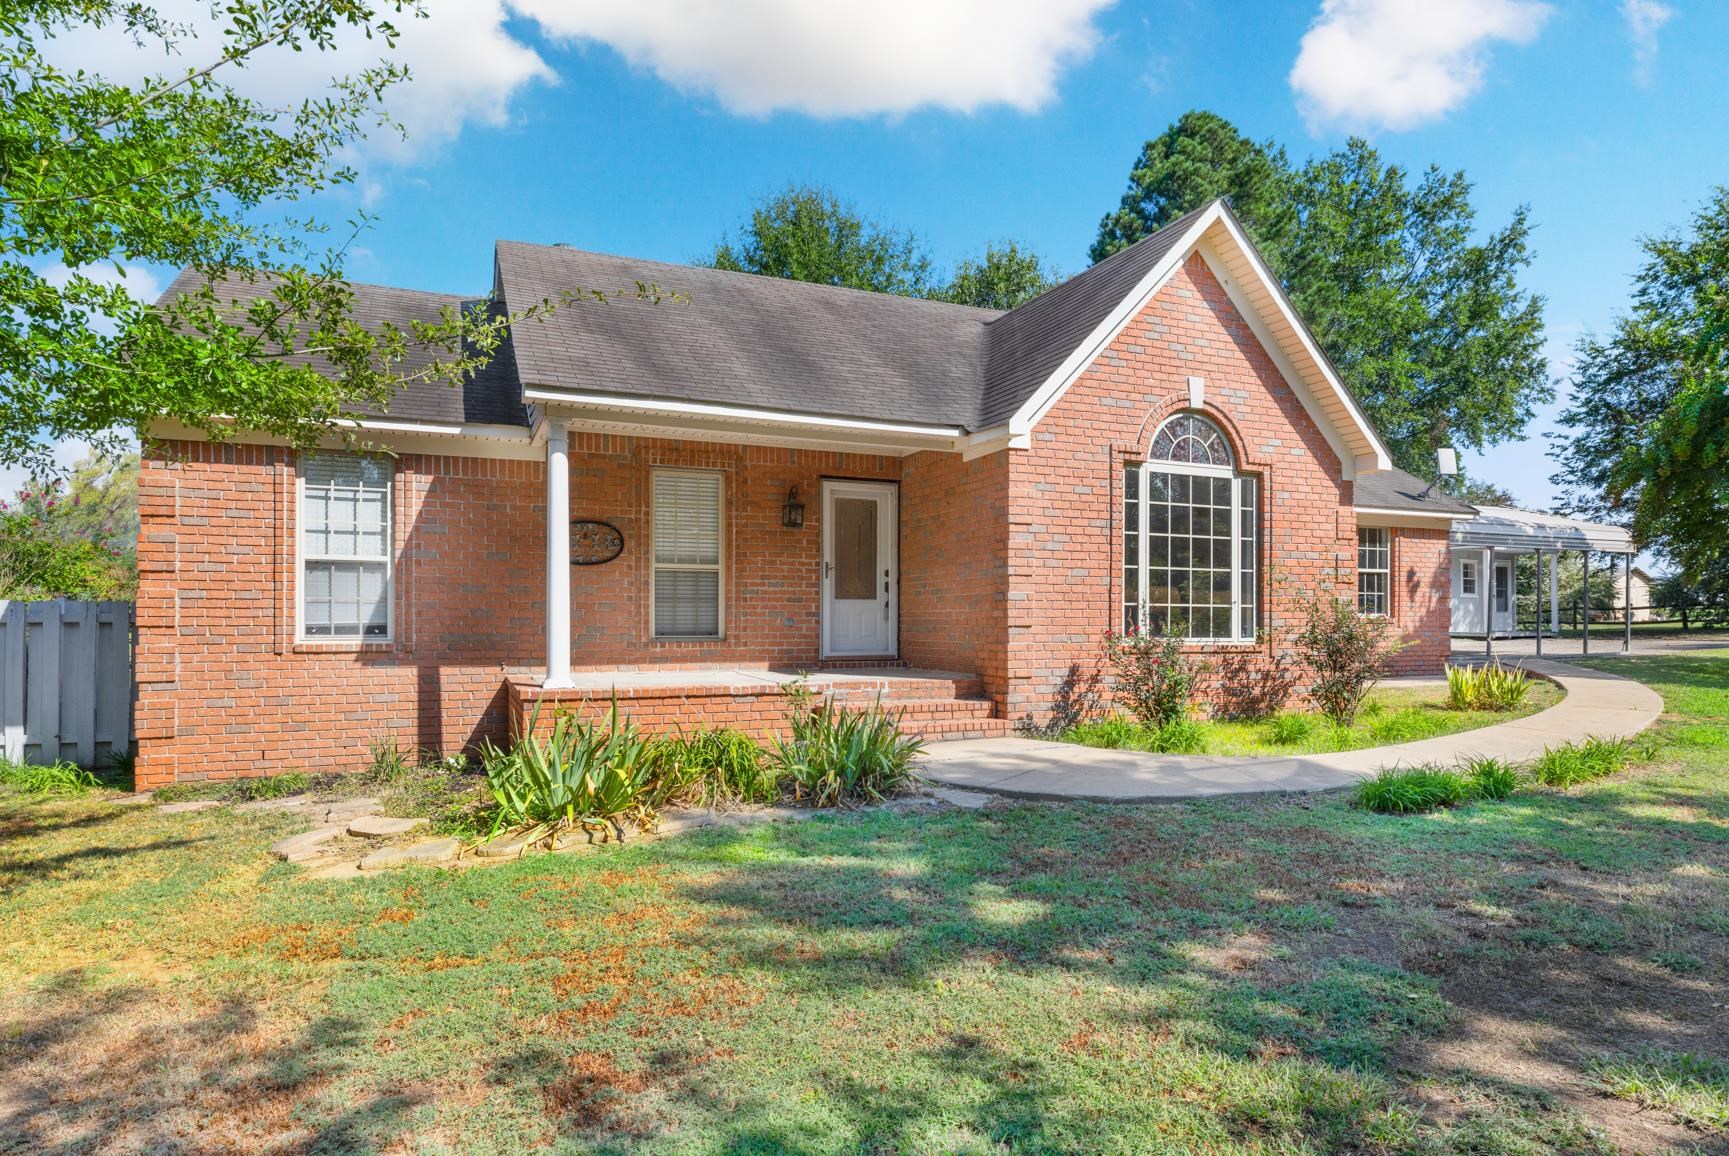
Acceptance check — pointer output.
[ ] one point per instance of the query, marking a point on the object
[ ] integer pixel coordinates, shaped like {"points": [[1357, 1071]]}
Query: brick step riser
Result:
{"points": [[903, 691], [987, 728], [943, 708]]}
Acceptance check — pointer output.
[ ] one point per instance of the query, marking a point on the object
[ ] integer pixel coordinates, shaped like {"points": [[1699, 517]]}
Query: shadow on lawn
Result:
{"points": [[115, 1069], [1124, 895]]}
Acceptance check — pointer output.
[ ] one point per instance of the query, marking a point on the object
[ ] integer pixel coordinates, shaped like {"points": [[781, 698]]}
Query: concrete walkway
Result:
{"points": [[1600, 704]]}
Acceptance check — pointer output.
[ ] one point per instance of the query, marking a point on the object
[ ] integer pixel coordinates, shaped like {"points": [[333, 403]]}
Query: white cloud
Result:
{"points": [[465, 68], [64, 456], [840, 58], [1397, 64], [1645, 19]]}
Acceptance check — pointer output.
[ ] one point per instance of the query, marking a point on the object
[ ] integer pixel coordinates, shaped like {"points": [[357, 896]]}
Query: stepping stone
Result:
{"points": [[134, 799], [967, 800], [190, 806], [432, 851], [306, 844], [505, 847], [378, 826], [284, 804]]}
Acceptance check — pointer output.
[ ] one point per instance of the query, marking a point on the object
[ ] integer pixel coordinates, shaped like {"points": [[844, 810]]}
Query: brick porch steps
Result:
{"points": [[934, 704]]}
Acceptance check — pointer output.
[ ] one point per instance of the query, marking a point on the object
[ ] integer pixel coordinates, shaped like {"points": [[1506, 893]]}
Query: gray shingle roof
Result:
{"points": [[741, 339], [1397, 490], [490, 397], [1028, 344]]}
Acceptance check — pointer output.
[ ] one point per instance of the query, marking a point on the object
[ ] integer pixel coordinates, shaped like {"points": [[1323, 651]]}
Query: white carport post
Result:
{"points": [[557, 555], [1627, 602], [1487, 586], [1537, 601], [1555, 594]]}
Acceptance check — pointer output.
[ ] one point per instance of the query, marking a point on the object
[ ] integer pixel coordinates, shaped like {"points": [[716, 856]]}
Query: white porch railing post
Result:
{"points": [[557, 555]]}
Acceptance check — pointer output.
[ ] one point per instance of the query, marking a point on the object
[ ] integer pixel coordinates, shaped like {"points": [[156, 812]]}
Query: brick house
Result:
{"points": [[685, 503]]}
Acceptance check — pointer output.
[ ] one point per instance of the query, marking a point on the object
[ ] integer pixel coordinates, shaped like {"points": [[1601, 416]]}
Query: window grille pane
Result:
{"points": [[346, 599], [1374, 559], [687, 603], [345, 514], [687, 519]]}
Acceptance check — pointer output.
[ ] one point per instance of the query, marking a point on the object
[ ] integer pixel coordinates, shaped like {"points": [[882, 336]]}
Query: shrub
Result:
{"points": [[1182, 736], [1491, 687], [836, 755], [388, 761], [1409, 790], [1113, 732], [1492, 778], [710, 766], [576, 775], [1346, 651], [1290, 728], [1155, 679], [58, 778], [1573, 763]]}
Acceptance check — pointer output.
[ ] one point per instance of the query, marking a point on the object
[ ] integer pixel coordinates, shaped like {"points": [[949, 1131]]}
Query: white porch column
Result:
{"points": [[557, 555], [1555, 594]]}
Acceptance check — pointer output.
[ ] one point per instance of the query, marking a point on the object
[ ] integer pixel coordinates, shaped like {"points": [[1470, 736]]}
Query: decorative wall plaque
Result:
{"points": [[592, 543]]}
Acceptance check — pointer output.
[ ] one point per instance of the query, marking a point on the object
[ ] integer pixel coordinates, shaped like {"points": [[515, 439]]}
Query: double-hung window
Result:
{"points": [[1190, 525], [688, 554], [1374, 566], [345, 546]]}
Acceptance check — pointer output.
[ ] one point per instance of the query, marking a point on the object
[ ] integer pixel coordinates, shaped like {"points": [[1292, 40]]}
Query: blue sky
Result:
{"points": [[650, 129]]}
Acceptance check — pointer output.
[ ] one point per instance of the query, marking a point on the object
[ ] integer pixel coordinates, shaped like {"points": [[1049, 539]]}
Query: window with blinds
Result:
{"points": [[687, 554], [345, 546]]}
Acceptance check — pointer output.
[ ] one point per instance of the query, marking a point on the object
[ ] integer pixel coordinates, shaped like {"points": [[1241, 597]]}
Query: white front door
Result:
{"points": [[860, 574], [1504, 597]]}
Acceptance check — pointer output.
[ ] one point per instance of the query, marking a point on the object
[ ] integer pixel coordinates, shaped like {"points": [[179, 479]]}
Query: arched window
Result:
{"points": [[1190, 537]]}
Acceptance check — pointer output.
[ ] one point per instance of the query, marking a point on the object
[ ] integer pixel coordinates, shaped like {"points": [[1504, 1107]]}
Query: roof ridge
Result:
{"points": [[986, 315]]}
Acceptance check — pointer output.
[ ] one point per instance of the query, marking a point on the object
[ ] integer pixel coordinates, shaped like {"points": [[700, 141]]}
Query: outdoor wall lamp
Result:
{"points": [[792, 510]]}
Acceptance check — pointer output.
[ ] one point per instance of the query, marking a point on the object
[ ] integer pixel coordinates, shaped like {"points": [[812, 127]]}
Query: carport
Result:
{"points": [[1485, 591]]}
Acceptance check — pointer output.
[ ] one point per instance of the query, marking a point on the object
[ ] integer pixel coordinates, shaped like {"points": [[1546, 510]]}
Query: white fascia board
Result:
{"points": [[571, 399], [990, 441], [1034, 409], [1379, 516], [392, 436], [1349, 462], [1383, 459]]}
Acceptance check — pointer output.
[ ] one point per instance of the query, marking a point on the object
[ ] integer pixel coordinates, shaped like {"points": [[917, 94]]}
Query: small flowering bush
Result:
{"points": [[52, 547], [1155, 678]]}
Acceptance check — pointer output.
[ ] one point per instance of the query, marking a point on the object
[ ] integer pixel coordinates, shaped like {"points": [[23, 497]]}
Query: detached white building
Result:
{"points": [[1485, 579]]}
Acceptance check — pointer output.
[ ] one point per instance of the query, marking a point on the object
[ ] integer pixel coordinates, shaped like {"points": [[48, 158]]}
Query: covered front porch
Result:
{"points": [[699, 564], [935, 704]]}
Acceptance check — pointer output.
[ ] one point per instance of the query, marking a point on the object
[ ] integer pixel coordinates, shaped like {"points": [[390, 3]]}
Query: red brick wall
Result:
{"points": [[225, 689], [772, 574], [1065, 530], [1422, 588], [954, 572]]}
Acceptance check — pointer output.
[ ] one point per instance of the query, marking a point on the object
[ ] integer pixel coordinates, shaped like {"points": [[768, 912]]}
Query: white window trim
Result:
{"points": [[1147, 469], [719, 567], [1385, 571], [302, 556], [1468, 576]]}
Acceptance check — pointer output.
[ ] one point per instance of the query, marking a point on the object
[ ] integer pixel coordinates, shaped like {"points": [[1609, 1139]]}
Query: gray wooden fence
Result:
{"points": [[65, 681]]}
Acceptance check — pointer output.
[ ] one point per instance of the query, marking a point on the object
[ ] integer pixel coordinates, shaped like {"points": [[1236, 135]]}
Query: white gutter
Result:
{"points": [[729, 413]]}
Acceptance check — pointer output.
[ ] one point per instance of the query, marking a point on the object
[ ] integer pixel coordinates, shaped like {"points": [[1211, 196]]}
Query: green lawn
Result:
{"points": [[1274, 975], [1389, 715]]}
